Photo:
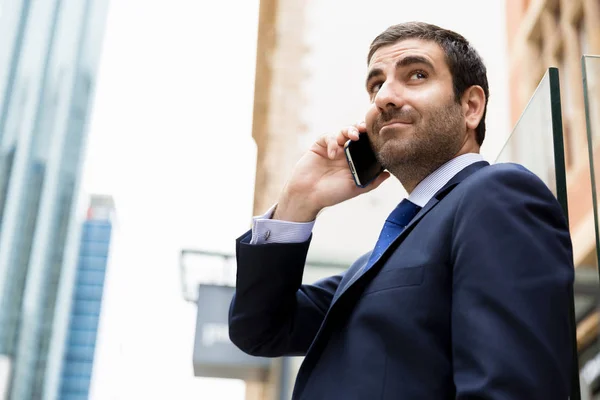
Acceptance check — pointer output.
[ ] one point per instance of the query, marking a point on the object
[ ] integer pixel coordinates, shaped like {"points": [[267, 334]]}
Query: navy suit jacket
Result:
{"points": [[470, 302]]}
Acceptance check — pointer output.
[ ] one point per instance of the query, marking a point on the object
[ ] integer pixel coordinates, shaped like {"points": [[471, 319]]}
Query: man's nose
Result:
{"points": [[389, 96]]}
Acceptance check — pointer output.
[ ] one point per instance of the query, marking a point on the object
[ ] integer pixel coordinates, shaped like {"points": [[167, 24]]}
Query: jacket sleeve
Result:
{"points": [[512, 287], [272, 314]]}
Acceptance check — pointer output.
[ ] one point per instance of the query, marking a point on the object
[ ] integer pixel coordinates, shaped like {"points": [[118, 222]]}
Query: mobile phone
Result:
{"points": [[362, 161]]}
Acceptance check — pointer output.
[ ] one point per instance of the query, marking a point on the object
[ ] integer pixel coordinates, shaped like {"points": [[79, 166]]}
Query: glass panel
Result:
{"points": [[591, 90], [537, 143], [590, 371]]}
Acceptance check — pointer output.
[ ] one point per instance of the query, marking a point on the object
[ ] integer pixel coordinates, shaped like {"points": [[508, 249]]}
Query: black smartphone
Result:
{"points": [[362, 161]]}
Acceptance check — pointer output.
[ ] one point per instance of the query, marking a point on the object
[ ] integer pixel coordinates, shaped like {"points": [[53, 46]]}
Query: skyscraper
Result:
{"points": [[49, 52], [80, 342]]}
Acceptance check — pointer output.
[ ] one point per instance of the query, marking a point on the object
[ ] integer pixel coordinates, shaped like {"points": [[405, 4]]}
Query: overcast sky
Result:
{"points": [[170, 143]]}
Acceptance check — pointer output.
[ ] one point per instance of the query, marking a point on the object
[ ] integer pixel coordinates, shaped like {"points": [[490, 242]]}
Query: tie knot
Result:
{"points": [[404, 213]]}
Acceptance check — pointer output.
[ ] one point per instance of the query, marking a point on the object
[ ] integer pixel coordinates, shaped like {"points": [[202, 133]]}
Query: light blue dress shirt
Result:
{"points": [[267, 230]]}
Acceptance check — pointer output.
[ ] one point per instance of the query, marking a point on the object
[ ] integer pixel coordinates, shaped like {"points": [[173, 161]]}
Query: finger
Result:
{"points": [[332, 147], [321, 146], [321, 143], [348, 133], [362, 126], [342, 137]]}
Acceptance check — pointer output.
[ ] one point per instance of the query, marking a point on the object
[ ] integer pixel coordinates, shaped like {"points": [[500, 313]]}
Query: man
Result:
{"points": [[466, 293]]}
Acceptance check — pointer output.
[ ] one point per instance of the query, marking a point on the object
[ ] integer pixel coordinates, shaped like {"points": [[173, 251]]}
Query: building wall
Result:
{"points": [[86, 308], [544, 33], [278, 97], [48, 55], [556, 33]]}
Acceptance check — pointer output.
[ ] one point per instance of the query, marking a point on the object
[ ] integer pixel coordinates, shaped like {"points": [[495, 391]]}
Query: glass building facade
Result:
{"points": [[49, 52], [87, 301]]}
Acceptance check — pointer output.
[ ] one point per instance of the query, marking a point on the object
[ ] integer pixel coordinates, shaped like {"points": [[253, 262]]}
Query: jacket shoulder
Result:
{"points": [[509, 175]]}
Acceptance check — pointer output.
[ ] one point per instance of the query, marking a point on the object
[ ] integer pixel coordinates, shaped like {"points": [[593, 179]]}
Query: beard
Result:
{"points": [[412, 152]]}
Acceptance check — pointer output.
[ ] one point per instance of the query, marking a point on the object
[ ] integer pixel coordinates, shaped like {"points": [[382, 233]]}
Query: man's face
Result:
{"points": [[413, 118]]}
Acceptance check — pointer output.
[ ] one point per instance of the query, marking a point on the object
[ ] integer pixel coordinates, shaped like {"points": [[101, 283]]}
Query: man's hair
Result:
{"points": [[465, 64]]}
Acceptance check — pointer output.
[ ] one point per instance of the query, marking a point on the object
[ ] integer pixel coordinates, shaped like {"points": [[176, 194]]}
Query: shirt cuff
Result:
{"points": [[266, 230]]}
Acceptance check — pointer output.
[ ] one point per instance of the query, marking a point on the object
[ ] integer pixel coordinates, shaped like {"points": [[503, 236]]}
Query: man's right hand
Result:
{"points": [[322, 179]]}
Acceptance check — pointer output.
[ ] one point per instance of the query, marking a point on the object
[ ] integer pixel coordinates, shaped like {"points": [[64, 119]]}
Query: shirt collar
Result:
{"points": [[429, 186]]}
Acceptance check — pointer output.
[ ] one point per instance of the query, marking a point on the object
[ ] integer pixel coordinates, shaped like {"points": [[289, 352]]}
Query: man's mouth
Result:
{"points": [[395, 123]]}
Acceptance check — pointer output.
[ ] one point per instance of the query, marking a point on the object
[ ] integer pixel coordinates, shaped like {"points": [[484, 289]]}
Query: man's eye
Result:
{"points": [[418, 75], [375, 88]]}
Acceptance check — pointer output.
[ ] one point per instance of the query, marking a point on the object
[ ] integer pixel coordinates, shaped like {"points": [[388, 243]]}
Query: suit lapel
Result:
{"points": [[369, 264], [317, 345]]}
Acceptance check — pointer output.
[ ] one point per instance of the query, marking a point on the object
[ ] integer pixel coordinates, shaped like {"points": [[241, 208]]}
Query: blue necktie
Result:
{"points": [[393, 227]]}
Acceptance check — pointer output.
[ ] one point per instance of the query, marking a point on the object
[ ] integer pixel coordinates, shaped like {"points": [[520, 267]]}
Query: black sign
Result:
{"points": [[215, 356]]}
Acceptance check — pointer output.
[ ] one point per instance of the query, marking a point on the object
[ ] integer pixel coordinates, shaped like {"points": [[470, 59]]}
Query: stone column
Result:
{"points": [[277, 125]]}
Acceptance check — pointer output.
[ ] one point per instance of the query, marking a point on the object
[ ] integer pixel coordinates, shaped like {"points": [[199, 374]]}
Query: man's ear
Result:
{"points": [[473, 105]]}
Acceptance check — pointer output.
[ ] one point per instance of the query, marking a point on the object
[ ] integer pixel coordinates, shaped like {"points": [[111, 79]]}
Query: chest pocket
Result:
{"points": [[395, 278]]}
